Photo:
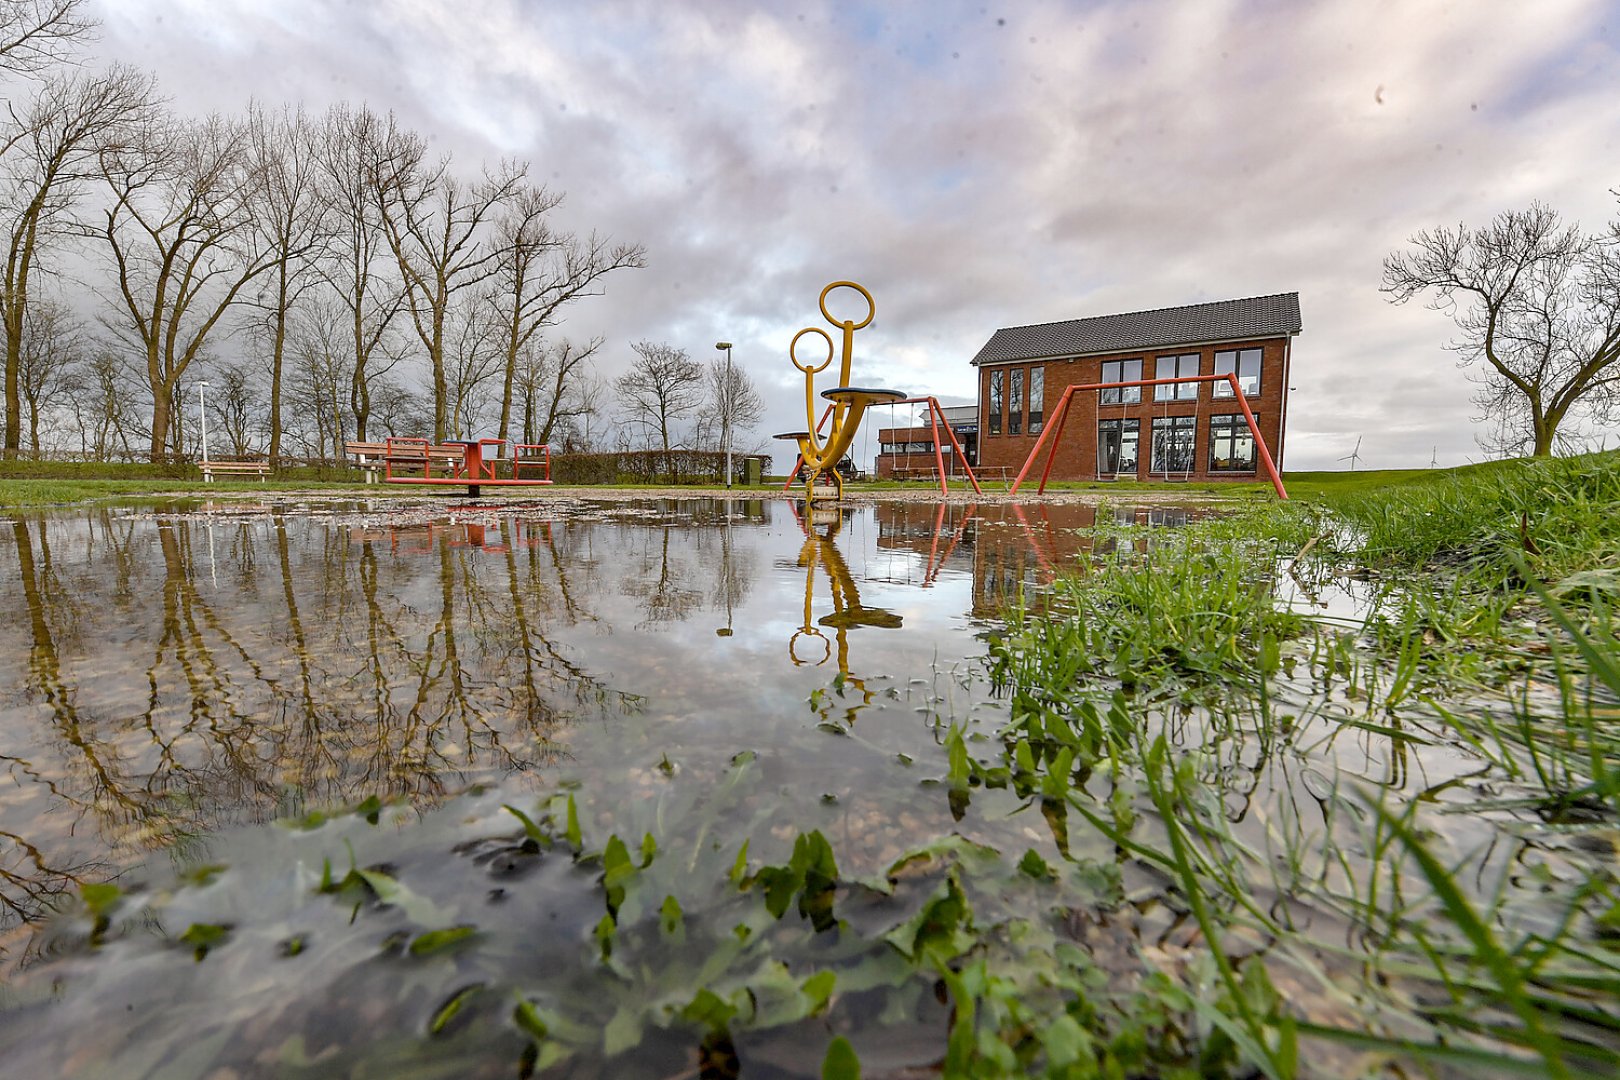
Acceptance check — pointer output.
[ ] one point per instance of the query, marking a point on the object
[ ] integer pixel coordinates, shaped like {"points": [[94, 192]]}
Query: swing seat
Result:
{"points": [[794, 435], [852, 617]]}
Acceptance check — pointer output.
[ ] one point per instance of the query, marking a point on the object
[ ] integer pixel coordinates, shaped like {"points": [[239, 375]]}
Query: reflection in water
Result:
{"points": [[848, 613], [176, 673]]}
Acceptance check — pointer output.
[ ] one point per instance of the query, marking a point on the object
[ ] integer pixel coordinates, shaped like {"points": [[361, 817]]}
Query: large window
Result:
{"points": [[1121, 371], [1231, 444], [1015, 403], [1118, 447], [1037, 399], [1245, 363], [1173, 444], [1176, 367], [993, 421]]}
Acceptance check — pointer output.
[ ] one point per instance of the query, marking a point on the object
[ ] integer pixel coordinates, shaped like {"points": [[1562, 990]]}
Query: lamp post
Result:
{"points": [[725, 409], [202, 410]]}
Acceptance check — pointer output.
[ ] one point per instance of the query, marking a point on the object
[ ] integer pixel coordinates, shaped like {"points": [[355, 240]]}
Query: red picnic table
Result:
{"points": [[466, 462]]}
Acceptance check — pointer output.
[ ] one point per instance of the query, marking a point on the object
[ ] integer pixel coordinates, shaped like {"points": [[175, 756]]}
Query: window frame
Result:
{"points": [[1015, 401], [996, 400], [1238, 356], [1171, 425], [1037, 408], [1232, 426], [1177, 391], [1127, 425], [1120, 395]]}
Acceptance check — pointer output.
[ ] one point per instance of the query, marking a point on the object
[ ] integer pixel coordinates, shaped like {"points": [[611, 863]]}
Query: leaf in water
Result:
{"points": [[818, 989], [389, 890], [203, 875], [447, 1012], [941, 924], [100, 896], [204, 936], [434, 940], [709, 1009], [739, 869], [616, 870], [575, 837], [530, 829], [1035, 866], [370, 809], [529, 1021], [649, 848], [669, 916], [623, 1032], [292, 946], [840, 1062]]}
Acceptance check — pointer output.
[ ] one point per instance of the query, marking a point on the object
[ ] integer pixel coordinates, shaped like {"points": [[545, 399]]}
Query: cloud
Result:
{"points": [[978, 169]]}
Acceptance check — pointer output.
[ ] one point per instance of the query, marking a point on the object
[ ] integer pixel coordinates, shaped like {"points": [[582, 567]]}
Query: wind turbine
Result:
{"points": [[1353, 456], [1434, 458]]}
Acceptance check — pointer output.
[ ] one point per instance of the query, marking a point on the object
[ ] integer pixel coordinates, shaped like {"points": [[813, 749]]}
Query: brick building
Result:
{"points": [[907, 453], [1188, 431]]}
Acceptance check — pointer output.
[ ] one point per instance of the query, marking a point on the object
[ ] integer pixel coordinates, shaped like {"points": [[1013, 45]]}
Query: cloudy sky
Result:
{"points": [[979, 166]]}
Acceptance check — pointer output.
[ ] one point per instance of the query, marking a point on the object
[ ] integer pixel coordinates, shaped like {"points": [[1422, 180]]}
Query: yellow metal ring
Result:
{"points": [[807, 632], [795, 344], [871, 305]]}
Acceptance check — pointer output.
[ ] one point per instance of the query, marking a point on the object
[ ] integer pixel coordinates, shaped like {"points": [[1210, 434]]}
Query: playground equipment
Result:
{"points": [[849, 403], [1053, 432]]}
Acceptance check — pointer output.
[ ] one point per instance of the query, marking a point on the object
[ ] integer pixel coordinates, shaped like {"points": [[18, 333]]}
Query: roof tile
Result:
{"points": [[1223, 320]]}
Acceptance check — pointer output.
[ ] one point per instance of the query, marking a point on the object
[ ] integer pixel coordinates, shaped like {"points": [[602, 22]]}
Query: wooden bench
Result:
{"points": [[368, 455], [210, 469]]}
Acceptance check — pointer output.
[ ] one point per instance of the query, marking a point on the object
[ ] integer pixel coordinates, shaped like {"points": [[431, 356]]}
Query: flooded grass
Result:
{"points": [[1319, 789]]}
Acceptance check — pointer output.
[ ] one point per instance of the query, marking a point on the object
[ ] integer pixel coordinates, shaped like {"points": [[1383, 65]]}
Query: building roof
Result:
{"points": [[1224, 320]]}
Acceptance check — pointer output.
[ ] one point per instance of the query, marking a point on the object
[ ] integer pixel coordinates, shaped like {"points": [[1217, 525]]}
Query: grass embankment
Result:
{"points": [[1487, 634]]}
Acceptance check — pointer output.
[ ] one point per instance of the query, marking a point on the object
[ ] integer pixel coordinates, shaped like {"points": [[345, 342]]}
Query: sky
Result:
{"points": [[979, 165]]}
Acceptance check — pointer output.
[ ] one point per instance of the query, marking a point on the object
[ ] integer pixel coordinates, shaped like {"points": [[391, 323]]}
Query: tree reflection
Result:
{"points": [[295, 668]]}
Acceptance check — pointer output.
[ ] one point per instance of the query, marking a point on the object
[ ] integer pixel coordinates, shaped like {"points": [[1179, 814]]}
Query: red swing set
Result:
{"points": [[1053, 432]]}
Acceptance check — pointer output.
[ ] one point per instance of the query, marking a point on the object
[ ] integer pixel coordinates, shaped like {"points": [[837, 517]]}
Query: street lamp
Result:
{"points": [[725, 410], [202, 410]]}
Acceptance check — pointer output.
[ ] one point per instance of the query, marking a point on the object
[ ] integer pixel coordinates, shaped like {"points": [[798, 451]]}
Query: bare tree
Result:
{"points": [[553, 387], [662, 389], [36, 35], [48, 151], [1537, 302], [732, 402], [354, 149], [233, 406], [104, 410], [289, 216], [473, 364], [179, 231], [50, 355], [540, 271], [435, 222]]}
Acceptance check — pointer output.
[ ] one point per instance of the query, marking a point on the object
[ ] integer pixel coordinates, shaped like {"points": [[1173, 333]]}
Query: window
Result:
{"points": [[1015, 403], [1173, 444], [1037, 399], [1231, 444], [1245, 363], [1176, 367], [993, 422], [1118, 447], [1121, 371]]}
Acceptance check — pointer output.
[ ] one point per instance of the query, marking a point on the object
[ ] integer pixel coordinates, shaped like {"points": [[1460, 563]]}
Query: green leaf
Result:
{"points": [[1035, 866], [370, 809], [669, 915], [739, 869], [616, 870], [818, 989], [649, 848], [100, 896], [575, 837], [840, 1062], [530, 1022], [709, 1009], [940, 925], [447, 1012], [530, 829], [1065, 1040], [623, 1032], [204, 936], [434, 940]]}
